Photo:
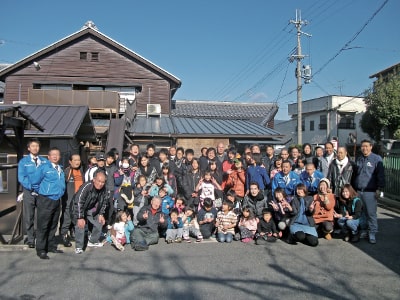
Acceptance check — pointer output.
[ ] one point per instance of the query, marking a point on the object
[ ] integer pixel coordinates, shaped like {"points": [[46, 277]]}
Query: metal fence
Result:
{"points": [[392, 176]]}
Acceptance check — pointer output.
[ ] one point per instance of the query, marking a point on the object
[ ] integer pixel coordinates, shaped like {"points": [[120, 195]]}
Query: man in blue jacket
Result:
{"points": [[51, 180], [26, 168], [369, 182]]}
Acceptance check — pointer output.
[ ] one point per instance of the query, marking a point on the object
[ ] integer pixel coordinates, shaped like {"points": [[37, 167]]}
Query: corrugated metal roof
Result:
{"points": [[60, 121], [8, 108], [202, 127], [154, 126], [221, 127], [226, 110]]}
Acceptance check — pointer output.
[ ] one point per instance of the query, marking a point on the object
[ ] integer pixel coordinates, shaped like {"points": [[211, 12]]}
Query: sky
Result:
{"points": [[227, 50]]}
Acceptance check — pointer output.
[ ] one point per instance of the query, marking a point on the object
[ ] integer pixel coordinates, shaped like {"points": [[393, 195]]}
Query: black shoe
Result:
{"points": [[31, 245], [56, 251], [43, 255], [66, 241]]}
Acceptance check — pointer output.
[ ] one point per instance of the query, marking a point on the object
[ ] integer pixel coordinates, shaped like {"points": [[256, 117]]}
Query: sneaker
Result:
{"points": [[187, 240], [247, 240], [178, 240], [117, 244], [199, 239], [66, 241], [78, 250], [372, 239], [346, 238], [169, 241], [95, 245], [328, 236], [363, 235]]}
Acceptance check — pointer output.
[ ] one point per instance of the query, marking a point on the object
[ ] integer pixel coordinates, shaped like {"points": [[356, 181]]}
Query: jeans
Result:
{"points": [[225, 237], [370, 207], [173, 234], [351, 224], [96, 231]]}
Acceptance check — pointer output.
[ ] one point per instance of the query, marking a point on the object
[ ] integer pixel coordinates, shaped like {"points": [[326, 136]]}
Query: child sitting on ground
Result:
{"points": [[247, 225], [206, 218], [266, 229], [226, 222], [167, 202], [121, 231], [191, 226], [174, 227]]}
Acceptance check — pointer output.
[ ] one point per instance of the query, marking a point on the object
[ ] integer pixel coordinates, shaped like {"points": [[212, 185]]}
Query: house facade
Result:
{"points": [[325, 119]]}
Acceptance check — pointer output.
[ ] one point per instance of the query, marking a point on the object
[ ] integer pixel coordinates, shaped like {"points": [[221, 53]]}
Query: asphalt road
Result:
{"points": [[210, 270]]}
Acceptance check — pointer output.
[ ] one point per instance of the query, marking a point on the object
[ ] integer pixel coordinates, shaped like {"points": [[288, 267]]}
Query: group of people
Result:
{"points": [[297, 195]]}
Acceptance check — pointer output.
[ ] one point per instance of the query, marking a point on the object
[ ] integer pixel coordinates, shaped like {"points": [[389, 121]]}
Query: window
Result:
{"points": [[346, 121], [303, 126], [311, 125], [95, 56], [3, 174], [83, 55], [322, 122]]}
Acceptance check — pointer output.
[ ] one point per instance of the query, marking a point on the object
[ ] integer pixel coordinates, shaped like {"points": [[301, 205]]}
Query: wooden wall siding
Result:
{"points": [[63, 65]]}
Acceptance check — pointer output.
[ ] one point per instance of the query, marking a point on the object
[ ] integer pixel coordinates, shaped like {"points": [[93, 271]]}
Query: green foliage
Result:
{"points": [[383, 107]]}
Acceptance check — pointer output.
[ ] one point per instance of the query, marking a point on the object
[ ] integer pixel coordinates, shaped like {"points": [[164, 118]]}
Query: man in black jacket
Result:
{"points": [[90, 204]]}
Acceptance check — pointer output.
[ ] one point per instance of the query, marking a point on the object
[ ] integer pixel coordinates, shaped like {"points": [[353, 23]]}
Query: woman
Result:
{"points": [[147, 170], [302, 225], [323, 208], [350, 215]]}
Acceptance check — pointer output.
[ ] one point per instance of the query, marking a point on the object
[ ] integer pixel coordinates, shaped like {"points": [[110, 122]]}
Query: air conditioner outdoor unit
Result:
{"points": [[153, 110]]}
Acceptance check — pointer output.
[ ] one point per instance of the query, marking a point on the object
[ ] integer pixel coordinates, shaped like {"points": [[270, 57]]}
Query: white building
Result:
{"points": [[326, 118]]}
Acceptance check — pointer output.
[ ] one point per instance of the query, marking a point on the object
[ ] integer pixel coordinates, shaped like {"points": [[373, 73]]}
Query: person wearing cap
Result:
{"points": [[100, 164], [322, 208]]}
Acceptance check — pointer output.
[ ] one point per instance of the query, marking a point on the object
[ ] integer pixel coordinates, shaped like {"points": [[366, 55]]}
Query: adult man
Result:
{"points": [[150, 219], [51, 180], [369, 181], [328, 157], [90, 204], [269, 158], [221, 154], [286, 179], [26, 168], [340, 172], [294, 156], [74, 179], [311, 178]]}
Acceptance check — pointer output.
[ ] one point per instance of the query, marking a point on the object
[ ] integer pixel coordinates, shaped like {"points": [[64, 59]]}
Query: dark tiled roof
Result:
{"points": [[61, 121], [226, 110], [200, 127]]}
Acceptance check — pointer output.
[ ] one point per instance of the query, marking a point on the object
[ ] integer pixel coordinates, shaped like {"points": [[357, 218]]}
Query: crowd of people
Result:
{"points": [[297, 195]]}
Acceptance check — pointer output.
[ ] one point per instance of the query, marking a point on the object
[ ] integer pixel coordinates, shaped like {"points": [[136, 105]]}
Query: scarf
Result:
{"points": [[342, 163]]}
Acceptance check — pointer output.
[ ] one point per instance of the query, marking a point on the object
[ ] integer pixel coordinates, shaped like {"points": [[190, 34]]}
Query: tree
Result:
{"points": [[383, 107]]}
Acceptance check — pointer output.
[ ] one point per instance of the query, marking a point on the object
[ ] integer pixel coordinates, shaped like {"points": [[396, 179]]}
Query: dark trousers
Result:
{"points": [[66, 216], [48, 212], [29, 207]]}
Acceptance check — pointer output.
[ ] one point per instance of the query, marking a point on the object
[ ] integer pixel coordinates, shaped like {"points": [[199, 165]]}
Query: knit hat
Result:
{"points": [[328, 183]]}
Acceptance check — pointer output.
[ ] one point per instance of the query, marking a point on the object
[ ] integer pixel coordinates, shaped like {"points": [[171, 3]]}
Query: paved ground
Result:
{"points": [[333, 270]]}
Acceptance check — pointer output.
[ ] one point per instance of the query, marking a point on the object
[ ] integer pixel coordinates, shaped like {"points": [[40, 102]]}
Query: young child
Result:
{"points": [[121, 230], [174, 227], [180, 204], [206, 218], [167, 202], [226, 222], [159, 183], [247, 225], [206, 187], [282, 209], [266, 229], [191, 226], [141, 197]]}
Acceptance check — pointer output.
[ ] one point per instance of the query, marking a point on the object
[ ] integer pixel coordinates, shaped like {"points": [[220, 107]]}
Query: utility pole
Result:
{"points": [[299, 73]]}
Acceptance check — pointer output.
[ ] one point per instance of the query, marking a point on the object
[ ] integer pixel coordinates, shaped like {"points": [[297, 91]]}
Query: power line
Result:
{"points": [[353, 38]]}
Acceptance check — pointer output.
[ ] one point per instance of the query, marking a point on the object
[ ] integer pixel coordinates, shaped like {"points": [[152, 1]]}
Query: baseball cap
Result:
{"points": [[100, 156]]}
